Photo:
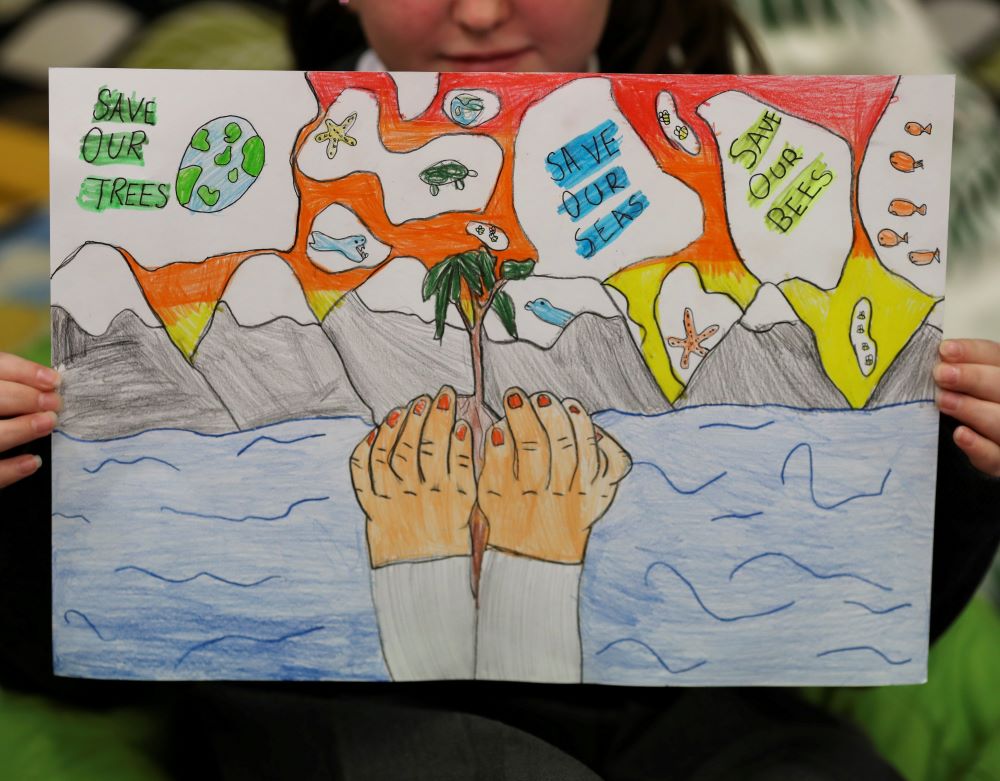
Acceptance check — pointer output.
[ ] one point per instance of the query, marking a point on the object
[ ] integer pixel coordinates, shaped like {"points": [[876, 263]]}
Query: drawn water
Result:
{"points": [[759, 545]]}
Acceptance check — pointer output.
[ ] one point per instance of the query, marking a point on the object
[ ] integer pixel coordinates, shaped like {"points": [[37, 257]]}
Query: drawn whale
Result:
{"points": [[547, 313]]}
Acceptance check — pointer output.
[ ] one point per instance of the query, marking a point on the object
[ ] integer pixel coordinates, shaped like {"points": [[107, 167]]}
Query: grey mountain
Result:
{"points": [[392, 357], [130, 378], [275, 371], [778, 365], [359, 362], [594, 361], [910, 377]]}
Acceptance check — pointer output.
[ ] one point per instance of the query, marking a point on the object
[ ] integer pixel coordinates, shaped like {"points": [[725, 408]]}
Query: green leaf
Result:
{"points": [[517, 269], [440, 313], [488, 265], [455, 283], [469, 269], [503, 305], [433, 278]]}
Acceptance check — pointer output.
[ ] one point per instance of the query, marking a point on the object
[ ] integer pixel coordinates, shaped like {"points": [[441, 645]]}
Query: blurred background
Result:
{"points": [[946, 729]]}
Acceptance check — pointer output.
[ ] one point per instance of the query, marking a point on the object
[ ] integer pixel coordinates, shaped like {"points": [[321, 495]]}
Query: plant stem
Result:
{"points": [[478, 524]]}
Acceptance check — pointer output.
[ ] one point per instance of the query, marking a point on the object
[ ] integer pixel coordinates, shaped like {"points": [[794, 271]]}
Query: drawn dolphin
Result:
{"points": [[544, 311], [351, 247]]}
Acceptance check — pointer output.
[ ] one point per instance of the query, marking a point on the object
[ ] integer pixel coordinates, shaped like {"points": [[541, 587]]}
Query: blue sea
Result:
{"points": [[758, 545]]}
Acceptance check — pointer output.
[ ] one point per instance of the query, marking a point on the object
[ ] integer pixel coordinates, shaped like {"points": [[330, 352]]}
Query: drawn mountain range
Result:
{"points": [[767, 358], [259, 362]]}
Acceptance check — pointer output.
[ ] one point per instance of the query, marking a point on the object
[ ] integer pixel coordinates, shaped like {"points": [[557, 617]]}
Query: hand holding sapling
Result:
{"points": [[413, 478], [548, 476]]}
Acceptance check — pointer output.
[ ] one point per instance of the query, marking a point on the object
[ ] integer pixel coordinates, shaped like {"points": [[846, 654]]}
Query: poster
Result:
{"points": [[545, 377]]}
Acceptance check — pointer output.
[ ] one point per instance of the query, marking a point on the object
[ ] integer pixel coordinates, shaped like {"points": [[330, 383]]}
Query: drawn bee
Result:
{"points": [[664, 117], [681, 132]]}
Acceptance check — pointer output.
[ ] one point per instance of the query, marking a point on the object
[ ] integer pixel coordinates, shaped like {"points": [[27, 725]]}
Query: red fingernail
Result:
{"points": [[393, 418], [462, 431], [444, 402], [544, 401], [598, 435], [574, 409], [418, 408], [371, 435], [514, 400], [497, 437]]}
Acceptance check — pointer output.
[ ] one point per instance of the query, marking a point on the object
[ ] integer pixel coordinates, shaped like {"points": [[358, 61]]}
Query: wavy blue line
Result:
{"points": [[658, 658], [863, 648], [808, 569], [83, 518], [245, 448], [735, 425], [211, 575], [875, 611], [739, 516], [285, 514], [269, 640], [679, 410], [129, 463], [670, 482], [812, 475], [88, 622], [705, 607], [366, 421]]}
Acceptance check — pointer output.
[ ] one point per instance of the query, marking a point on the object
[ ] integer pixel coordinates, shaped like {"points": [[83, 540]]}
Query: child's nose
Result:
{"points": [[481, 15]]}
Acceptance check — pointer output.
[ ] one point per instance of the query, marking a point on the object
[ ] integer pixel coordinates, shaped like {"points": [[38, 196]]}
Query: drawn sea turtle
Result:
{"points": [[446, 172]]}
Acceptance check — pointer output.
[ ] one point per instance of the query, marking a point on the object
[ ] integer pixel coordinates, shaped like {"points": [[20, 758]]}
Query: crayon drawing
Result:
{"points": [[542, 377]]}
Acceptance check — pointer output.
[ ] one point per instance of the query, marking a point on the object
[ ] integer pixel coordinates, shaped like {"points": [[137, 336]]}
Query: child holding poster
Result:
{"points": [[573, 35]]}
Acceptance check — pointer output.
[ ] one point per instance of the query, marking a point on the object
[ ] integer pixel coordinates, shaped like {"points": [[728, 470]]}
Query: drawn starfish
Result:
{"points": [[692, 339], [335, 133]]}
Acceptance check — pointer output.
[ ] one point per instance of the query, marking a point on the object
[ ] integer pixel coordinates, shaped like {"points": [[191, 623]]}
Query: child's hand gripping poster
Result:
{"points": [[538, 377]]}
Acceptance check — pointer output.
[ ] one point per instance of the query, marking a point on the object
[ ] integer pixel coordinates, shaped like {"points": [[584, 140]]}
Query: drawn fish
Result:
{"points": [[903, 208], [887, 237], [904, 162], [544, 311], [351, 247], [915, 128], [924, 257]]}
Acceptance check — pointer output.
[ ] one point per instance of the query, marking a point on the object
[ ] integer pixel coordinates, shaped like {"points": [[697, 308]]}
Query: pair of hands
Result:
{"points": [[548, 475]]}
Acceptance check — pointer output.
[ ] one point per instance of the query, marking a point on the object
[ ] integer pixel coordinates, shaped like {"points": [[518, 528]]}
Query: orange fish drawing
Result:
{"points": [[904, 162], [887, 237], [915, 128], [903, 208], [923, 257]]}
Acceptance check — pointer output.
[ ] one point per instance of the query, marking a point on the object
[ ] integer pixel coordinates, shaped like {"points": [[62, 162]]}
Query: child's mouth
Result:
{"points": [[496, 60]]}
